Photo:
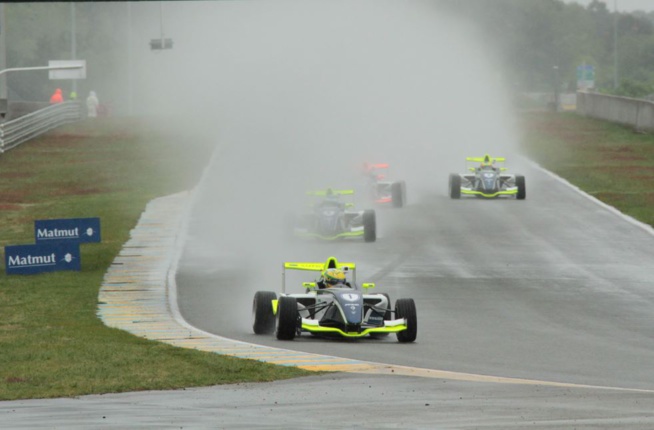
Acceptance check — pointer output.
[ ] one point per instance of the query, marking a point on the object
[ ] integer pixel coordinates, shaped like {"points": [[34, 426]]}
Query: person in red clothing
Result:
{"points": [[56, 97]]}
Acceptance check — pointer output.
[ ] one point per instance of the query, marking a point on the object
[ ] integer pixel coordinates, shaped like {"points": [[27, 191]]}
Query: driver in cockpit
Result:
{"points": [[331, 199], [331, 278], [486, 165]]}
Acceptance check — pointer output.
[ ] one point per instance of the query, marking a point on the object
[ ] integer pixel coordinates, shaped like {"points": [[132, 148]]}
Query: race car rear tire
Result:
{"points": [[287, 318], [522, 187], [369, 226], [406, 308], [455, 186], [387, 317], [262, 312], [398, 194]]}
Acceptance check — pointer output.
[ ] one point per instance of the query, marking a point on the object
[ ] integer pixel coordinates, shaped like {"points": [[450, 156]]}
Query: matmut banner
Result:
{"points": [[31, 259], [81, 230]]}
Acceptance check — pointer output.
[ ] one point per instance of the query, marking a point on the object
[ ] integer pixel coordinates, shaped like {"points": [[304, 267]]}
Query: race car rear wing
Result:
{"points": [[330, 263], [330, 191], [486, 159], [371, 166]]}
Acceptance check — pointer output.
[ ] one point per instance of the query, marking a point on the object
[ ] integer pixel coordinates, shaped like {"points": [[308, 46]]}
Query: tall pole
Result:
{"points": [[73, 39], [129, 59], [161, 19], [3, 56], [615, 44]]}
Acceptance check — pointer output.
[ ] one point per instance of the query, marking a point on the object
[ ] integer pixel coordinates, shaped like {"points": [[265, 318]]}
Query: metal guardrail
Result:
{"points": [[19, 130]]}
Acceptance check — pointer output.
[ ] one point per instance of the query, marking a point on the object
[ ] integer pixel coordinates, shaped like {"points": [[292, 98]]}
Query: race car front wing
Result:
{"points": [[393, 326]]}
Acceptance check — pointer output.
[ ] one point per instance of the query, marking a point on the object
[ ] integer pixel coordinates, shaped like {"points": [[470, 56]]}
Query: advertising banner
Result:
{"points": [[81, 230], [39, 258]]}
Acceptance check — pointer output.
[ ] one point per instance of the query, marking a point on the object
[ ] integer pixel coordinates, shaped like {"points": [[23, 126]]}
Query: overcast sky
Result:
{"points": [[622, 5]]}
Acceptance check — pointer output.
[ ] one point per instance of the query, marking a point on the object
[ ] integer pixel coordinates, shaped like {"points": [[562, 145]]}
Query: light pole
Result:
{"points": [[129, 58], [73, 39], [615, 45], [3, 63]]}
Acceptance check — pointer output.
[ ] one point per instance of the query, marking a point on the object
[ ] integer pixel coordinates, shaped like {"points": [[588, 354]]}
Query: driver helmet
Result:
{"points": [[333, 277]]}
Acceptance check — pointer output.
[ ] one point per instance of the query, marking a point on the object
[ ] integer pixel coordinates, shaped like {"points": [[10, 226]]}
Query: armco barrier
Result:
{"points": [[623, 110], [19, 130]]}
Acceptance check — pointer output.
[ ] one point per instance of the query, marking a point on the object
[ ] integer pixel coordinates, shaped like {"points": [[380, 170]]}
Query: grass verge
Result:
{"points": [[609, 161], [51, 342]]}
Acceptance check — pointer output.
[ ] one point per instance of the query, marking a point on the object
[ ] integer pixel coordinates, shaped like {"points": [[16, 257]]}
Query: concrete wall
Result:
{"points": [[623, 110]]}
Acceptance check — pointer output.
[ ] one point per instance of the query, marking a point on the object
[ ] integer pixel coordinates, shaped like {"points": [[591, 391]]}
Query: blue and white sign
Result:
{"points": [[31, 259], [585, 77], [82, 230]]}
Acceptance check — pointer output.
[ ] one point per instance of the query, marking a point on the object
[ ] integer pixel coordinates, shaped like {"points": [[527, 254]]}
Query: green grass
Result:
{"points": [[51, 342], [609, 161]]}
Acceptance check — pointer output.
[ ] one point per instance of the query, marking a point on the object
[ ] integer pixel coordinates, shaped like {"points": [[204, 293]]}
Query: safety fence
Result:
{"points": [[637, 113], [19, 130]]}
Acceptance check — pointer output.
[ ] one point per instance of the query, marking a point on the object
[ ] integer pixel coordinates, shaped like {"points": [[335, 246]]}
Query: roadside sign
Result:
{"points": [[585, 77], [70, 69], [33, 259], [80, 230], [161, 44]]}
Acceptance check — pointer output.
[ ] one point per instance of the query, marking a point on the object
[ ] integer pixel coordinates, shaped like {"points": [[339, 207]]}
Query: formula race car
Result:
{"points": [[486, 180], [331, 218], [381, 189], [332, 306]]}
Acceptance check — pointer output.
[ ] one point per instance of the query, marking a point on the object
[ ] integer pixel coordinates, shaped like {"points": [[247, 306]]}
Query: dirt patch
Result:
{"points": [[610, 198], [55, 142], [9, 207], [633, 170], [617, 157], [76, 191], [15, 175], [14, 196]]}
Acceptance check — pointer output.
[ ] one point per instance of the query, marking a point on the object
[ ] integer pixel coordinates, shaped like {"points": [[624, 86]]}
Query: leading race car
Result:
{"points": [[332, 306], [381, 189], [486, 180], [331, 218]]}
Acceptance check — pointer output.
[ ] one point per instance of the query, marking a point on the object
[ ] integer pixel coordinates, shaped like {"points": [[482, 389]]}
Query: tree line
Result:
{"points": [[540, 44]]}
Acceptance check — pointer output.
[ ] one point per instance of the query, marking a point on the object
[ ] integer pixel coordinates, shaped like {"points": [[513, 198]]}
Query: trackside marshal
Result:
{"points": [[80, 230]]}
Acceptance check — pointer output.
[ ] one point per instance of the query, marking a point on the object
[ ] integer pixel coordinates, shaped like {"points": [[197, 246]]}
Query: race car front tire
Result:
{"points": [[406, 308], [398, 194], [455, 186], [388, 315], [522, 187], [262, 312], [369, 226], [287, 318]]}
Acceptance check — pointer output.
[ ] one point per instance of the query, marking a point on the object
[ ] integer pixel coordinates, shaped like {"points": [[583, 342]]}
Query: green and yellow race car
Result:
{"points": [[333, 305], [332, 218], [487, 180]]}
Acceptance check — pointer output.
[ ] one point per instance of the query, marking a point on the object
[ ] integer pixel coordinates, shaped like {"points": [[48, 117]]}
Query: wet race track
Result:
{"points": [[554, 288]]}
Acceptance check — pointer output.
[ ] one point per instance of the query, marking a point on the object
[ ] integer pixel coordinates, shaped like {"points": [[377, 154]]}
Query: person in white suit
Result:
{"points": [[92, 104]]}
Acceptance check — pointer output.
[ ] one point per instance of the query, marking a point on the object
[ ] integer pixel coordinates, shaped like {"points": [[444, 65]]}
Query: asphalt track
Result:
{"points": [[555, 288]]}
